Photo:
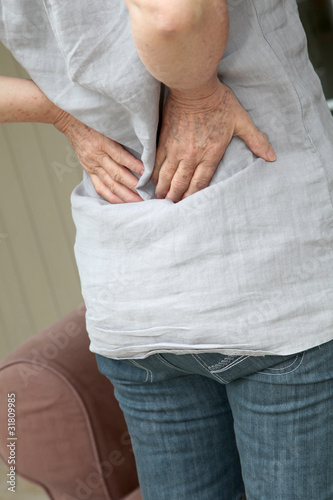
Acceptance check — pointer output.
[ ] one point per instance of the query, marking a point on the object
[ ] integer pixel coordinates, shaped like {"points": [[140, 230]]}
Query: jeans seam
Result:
{"points": [[281, 372], [149, 373], [216, 365], [201, 363], [169, 365], [231, 365]]}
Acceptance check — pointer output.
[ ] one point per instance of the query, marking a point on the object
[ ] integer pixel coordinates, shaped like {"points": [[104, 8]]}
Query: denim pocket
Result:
{"points": [[284, 366], [126, 371], [217, 365], [227, 369], [225, 363]]}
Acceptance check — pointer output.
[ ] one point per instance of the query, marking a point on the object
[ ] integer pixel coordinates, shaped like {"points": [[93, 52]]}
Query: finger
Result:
{"points": [[119, 189], [166, 174], [121, 156], [256, 140], [160, 159], [117, 172], [181, 180], [201, 178], [103, 191]]}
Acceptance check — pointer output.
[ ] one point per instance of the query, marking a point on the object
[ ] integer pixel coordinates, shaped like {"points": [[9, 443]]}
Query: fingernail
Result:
{"points": [[142, 171], [159, 196], [271, 156], [154, 181]]}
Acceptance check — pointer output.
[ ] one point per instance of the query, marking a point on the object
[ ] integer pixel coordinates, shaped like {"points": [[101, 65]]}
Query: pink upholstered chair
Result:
{"points": [[72, 439]]}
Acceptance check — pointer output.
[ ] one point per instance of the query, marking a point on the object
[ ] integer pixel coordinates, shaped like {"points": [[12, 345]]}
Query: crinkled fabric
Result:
{"points": [[241, 267]]}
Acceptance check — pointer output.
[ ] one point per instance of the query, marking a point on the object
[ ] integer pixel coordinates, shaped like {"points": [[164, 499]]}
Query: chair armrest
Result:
{"points": [[71, 434]]}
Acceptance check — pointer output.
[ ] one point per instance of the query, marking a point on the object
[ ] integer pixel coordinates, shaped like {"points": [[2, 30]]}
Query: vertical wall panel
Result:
{"points": [[38, 276]]}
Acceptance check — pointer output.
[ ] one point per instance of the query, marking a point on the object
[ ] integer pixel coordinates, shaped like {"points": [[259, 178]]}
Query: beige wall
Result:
{"points": [[38, 277]]}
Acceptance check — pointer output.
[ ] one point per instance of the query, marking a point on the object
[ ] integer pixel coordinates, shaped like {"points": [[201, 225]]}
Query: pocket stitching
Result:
{"points": [[280, 370], [230, 365], [232, 359], [149, 373], [205, 367]]}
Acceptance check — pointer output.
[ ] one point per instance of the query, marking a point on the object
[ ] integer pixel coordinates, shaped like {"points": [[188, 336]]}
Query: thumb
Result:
{"points": [[256, 140]]}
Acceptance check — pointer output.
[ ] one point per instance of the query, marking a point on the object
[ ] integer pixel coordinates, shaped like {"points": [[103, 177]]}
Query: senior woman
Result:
{"points": [[206, 268]]}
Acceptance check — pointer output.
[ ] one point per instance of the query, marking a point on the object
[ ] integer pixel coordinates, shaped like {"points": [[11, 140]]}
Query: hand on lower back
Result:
{"points": [[194, 136], [106, 162]]}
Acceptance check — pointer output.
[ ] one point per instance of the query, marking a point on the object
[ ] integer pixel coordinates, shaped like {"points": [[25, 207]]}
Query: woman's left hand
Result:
{"points": [[194, 136]]}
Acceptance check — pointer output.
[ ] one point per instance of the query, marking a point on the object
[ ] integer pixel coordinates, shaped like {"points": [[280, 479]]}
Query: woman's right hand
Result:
{"points": [[107, 163], [104, 160]]}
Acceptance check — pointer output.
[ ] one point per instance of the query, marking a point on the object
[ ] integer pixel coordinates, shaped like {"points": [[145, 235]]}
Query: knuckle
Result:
{"points": [[111, 185], [101, 157], [180, 183], [200, 182], [116, 157], [93, 169], [166, 173], [184, 175], [262, 138], [116, 175]]}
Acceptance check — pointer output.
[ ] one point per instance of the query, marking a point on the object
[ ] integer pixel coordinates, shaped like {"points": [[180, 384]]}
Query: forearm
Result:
{"points": [[181, 42], [22, 101], [104, 160]]}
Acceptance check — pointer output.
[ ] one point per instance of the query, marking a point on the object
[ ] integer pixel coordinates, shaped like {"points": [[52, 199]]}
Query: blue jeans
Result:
{"points": [[209, 426]]}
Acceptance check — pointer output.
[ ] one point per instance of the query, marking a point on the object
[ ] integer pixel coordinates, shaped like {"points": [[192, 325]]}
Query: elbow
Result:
{"points": [[168, 17], [177, 17]]}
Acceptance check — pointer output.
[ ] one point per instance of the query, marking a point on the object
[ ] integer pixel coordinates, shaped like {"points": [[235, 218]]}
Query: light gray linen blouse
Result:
{"points": [[245, 265]]}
